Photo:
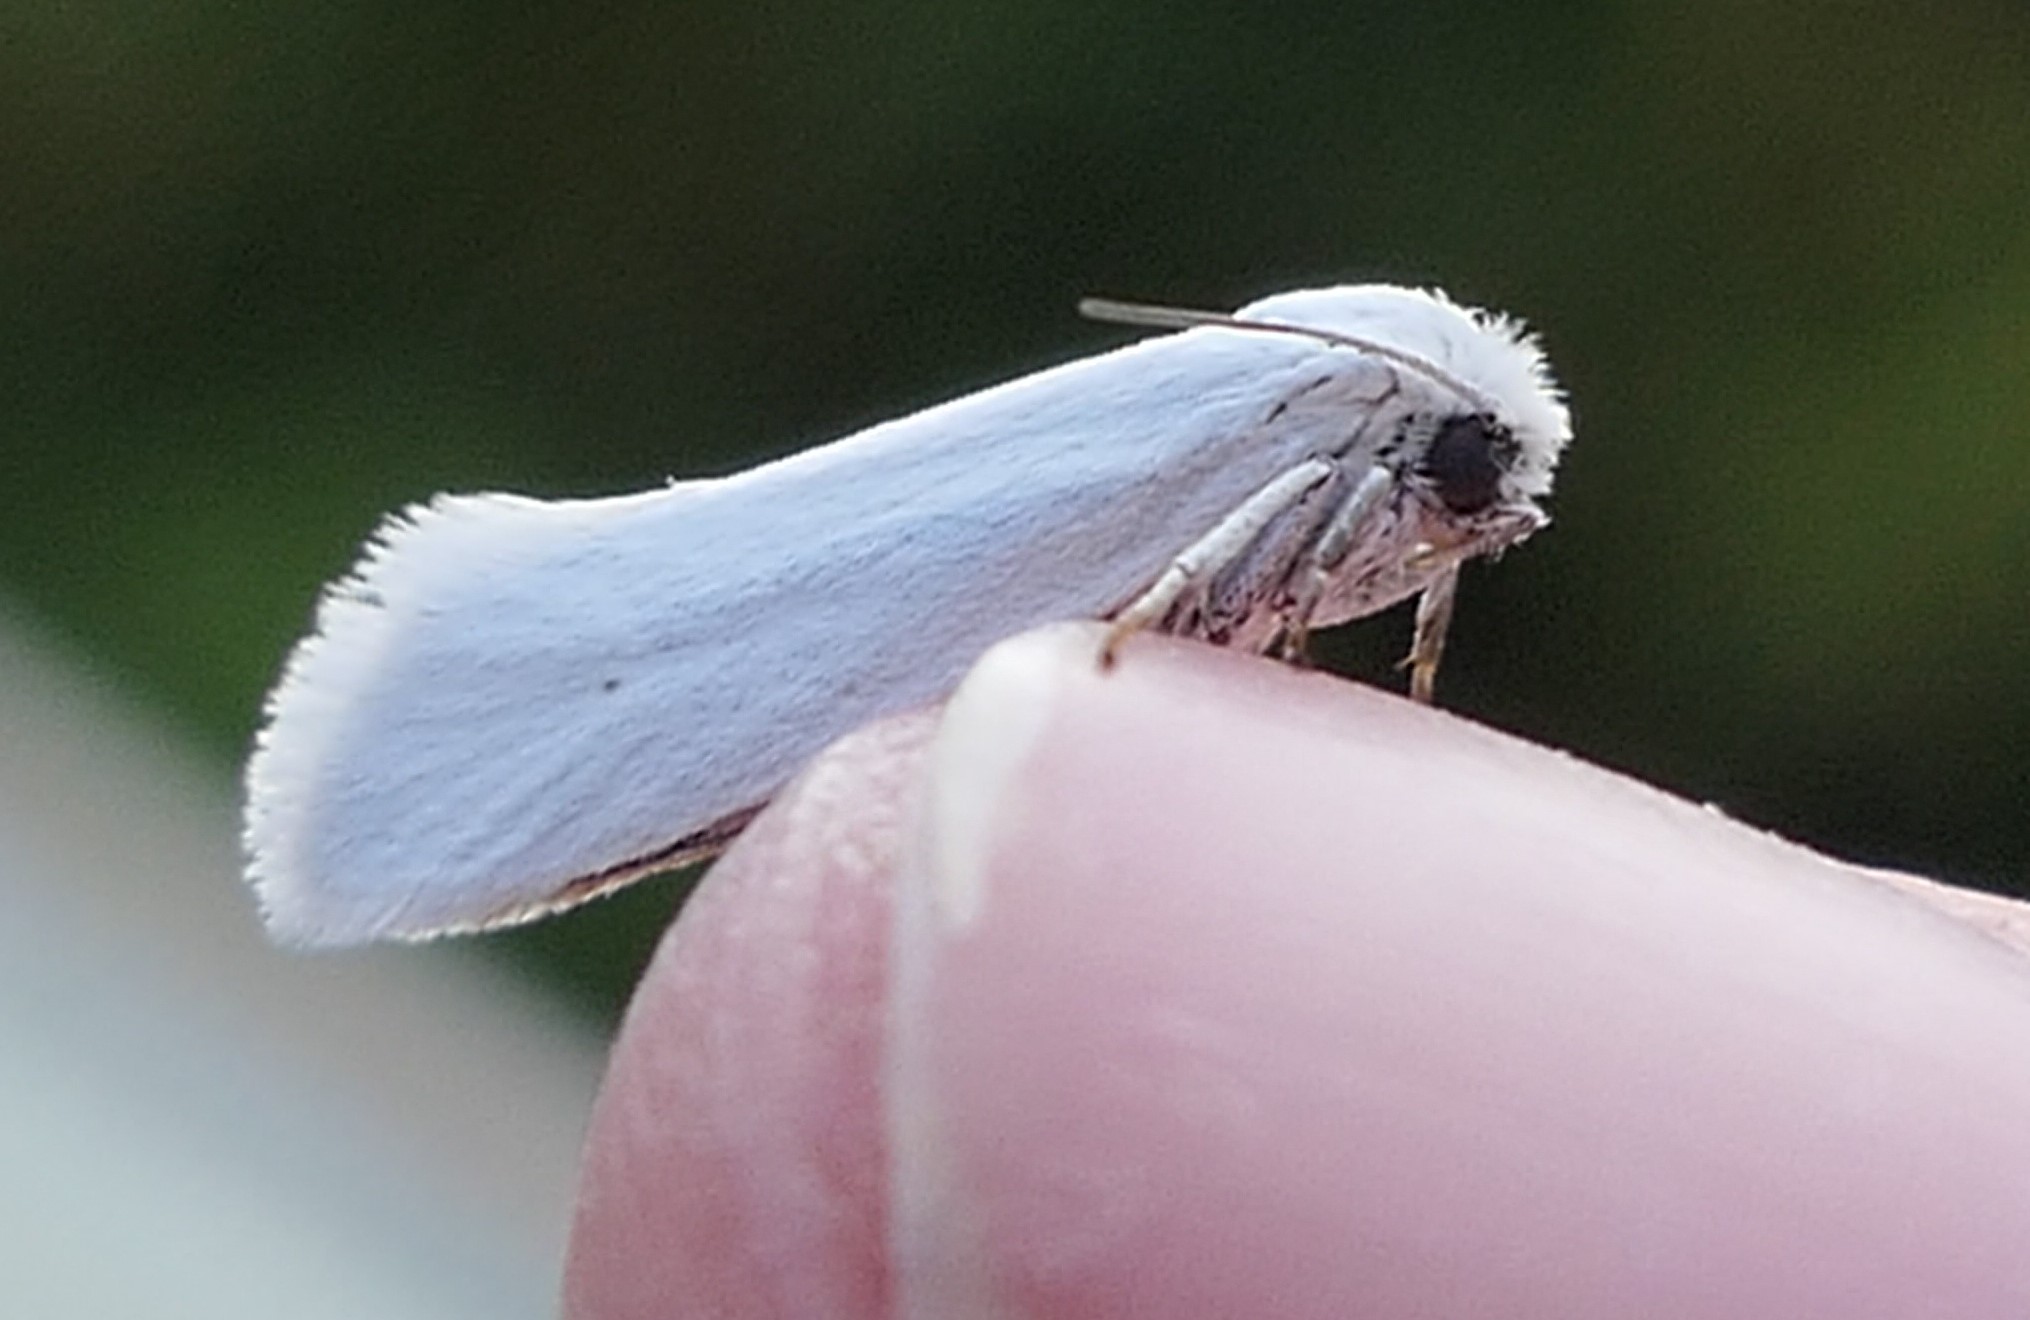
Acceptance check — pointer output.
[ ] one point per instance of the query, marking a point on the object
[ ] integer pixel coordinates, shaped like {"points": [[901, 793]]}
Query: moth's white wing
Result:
{"points": [[509, 696]]}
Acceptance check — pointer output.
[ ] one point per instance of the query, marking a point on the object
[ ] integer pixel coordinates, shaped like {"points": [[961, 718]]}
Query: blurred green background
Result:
{"points": [[270, 267]]}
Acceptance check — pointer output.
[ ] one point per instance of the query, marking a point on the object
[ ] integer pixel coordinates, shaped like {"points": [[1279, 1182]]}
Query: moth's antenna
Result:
{"points": [[1179, 318]]}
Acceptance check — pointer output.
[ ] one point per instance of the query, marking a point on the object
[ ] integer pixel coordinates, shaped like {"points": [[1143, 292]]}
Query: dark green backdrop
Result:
{"points": [[268, 267]]}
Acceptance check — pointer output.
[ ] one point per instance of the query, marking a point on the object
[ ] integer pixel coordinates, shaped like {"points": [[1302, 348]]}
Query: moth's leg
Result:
{"points": [[1204, 558], [1246, 603], [1427, 647], [1327, 553]]}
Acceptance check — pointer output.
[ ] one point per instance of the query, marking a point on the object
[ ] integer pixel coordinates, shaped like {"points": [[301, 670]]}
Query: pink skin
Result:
{"points": [[1209, 988]]}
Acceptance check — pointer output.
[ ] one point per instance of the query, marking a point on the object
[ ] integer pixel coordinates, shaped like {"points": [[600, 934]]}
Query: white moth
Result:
{"points": [[511, 705]]}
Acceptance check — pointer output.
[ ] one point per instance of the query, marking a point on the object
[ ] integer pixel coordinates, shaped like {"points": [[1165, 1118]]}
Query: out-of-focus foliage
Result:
{"points": [[269, 267]]}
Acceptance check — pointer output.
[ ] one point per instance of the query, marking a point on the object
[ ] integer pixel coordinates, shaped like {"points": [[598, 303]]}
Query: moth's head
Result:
{"points": [[1469, 474], [1479, 446]]}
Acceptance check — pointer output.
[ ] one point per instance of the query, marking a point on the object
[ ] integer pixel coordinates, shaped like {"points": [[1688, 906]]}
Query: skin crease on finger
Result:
{"points": [[736, 1164], [1219, 989]]}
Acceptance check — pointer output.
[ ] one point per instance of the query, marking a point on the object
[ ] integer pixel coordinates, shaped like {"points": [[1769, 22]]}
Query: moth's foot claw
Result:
{"points": [[1110, 647], [1295, 648]]}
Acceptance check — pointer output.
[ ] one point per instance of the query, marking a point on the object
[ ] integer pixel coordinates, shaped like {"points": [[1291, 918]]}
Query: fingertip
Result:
{"points": [[1269, 993]]}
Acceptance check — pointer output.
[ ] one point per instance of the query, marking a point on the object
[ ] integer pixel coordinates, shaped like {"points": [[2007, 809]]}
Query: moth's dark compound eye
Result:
{"points": [[1466, 461]]}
